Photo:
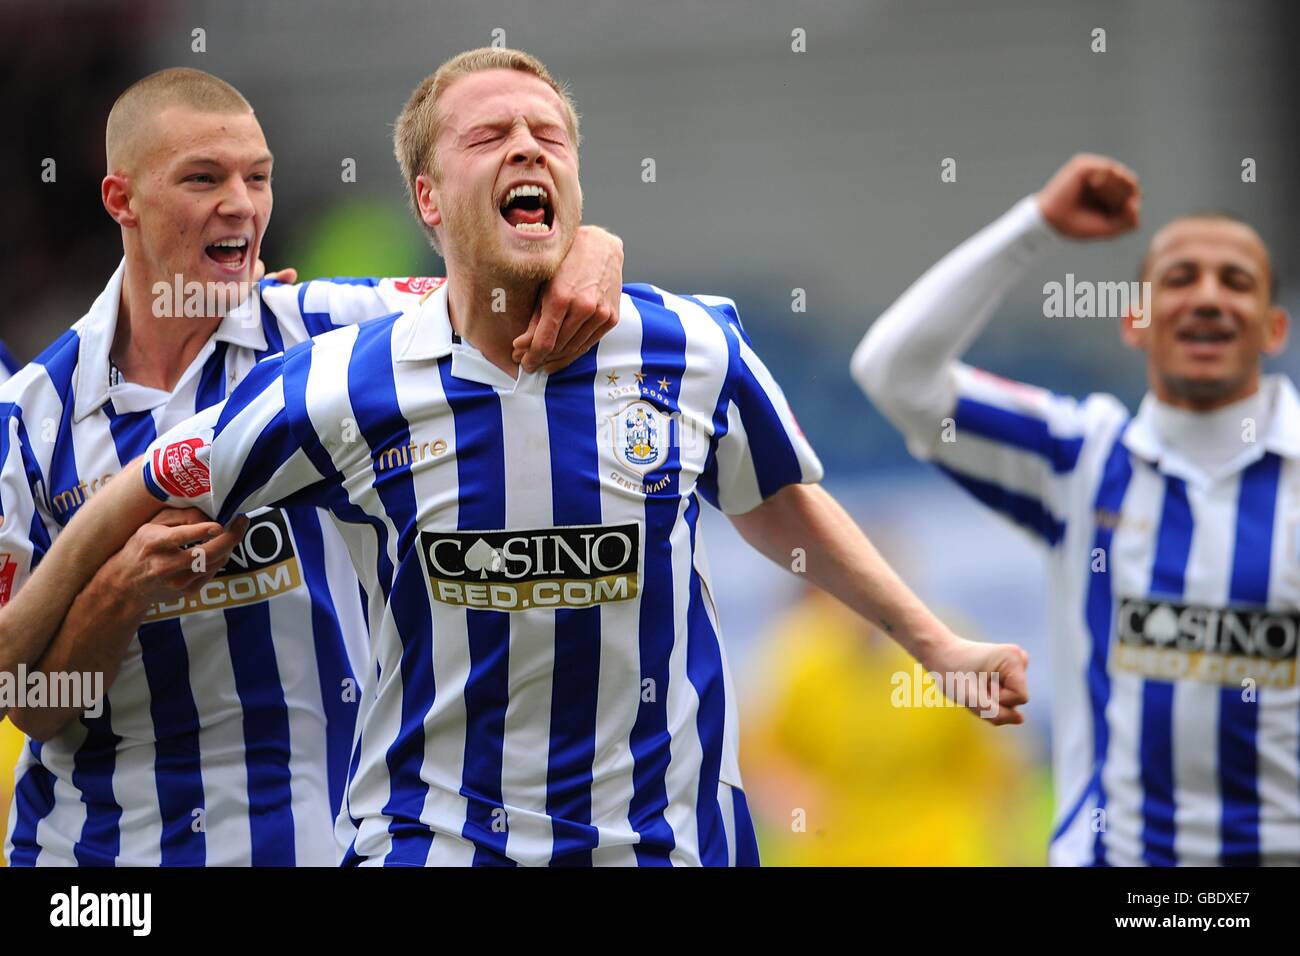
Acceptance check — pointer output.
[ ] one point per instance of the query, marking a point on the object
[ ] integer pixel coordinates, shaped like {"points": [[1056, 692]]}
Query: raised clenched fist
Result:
{"points": [[1091, 197]]}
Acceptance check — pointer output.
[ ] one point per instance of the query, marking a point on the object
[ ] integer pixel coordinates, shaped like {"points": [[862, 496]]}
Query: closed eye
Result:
{"points": [[1238, 279]]}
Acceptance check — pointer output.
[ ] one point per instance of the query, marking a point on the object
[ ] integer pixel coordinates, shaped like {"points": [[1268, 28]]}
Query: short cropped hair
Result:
{"points": [[1217, 215], [145, 98]]}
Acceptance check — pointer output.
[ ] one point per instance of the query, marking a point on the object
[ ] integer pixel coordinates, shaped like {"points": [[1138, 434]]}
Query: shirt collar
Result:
{"points": [[96, 330], [430, 336], [1282, 436], [242, 325]]}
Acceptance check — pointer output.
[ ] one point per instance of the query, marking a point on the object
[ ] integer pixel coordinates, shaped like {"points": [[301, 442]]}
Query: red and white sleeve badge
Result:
{"points": [[181, 468]]}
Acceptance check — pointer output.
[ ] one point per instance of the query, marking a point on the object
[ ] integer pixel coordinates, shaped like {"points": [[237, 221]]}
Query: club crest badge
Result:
{"points": [[641, 437]]}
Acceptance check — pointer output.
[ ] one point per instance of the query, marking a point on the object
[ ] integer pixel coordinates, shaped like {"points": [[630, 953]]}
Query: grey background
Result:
{"points": [[776, 170]]}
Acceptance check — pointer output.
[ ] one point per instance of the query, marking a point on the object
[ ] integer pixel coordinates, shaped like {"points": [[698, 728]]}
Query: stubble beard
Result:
{"points": [[470, 230], [1205, 392]]}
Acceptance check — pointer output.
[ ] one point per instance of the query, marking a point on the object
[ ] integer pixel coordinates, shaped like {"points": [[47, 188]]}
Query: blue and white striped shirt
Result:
{"points": [[1173, 546], [1175, 615], [552, 686], [225, 738]]}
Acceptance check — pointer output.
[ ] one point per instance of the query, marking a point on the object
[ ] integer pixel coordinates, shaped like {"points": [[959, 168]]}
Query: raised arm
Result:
{"points": [[1013, 446], [907, 362]]}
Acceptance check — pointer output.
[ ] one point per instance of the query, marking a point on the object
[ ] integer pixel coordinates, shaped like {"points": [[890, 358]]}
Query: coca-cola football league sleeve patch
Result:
{"points": [[177, 471]]}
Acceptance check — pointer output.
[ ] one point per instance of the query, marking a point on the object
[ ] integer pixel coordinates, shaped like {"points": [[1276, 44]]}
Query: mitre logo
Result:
{"points": [[575, 566]]}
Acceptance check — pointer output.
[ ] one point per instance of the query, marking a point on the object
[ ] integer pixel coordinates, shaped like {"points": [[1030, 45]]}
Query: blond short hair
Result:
{"points": [[416, 133], [145, 98]]}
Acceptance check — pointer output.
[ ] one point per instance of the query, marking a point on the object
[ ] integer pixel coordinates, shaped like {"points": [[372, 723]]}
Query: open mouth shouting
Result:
{"points": [[230, 253], [526, 208]]}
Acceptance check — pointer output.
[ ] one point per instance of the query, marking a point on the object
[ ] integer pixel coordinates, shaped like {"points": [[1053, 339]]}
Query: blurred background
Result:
{"points": [[776, 170]]}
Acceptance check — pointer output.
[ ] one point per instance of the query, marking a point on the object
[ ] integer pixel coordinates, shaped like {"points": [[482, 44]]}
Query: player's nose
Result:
{"points": [[236, 203], [1207, 296], [525, 150]]}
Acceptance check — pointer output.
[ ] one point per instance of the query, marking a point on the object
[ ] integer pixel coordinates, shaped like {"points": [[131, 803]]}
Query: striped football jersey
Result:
{"points": [[1176, 712], [226, 736], [551, 685]]}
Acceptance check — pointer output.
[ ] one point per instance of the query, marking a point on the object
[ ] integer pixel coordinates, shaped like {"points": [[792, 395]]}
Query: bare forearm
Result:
{"points": [[98, 531], [92, 640], [839, 559], [17, 649]]}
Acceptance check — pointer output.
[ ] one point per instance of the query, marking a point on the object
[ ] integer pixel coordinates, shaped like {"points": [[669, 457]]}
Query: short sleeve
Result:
{"points": [[24, 538], [759, 448], [238, 456], [313, 308]]}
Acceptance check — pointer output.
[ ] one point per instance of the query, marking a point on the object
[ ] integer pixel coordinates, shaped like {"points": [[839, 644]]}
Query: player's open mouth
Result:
{"points": [[230, 253], [527, 209], [1207, 342], [1206, 335]]}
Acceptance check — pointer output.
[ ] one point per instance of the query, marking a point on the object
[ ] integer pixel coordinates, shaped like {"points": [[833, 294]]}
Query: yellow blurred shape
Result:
{"points": [[838, 775], [11, 743]]}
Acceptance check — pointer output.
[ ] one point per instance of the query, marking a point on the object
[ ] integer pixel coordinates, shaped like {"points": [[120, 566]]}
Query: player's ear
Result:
{"points": [[1275, 333], [1133, 327], [116, 192], [428, 199]]}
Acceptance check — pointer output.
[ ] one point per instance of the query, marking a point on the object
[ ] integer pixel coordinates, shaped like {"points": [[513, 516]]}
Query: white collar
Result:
{"points": [[241, 326], [430, 336], [1281, 435]]}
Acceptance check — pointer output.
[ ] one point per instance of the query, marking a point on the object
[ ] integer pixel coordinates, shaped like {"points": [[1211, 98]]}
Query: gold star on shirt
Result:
{"points": [[613, 378], [663, 384], [640, 377]]}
